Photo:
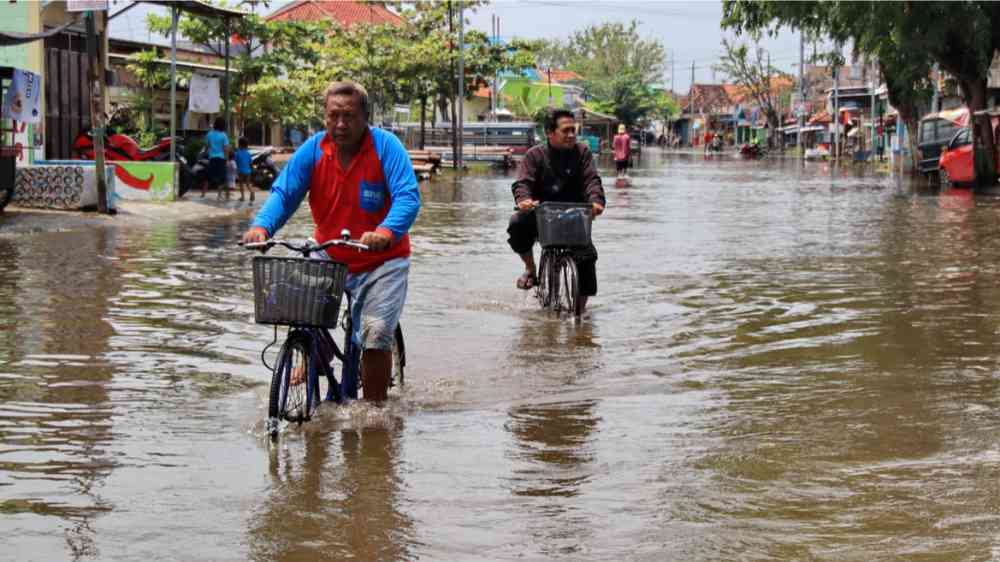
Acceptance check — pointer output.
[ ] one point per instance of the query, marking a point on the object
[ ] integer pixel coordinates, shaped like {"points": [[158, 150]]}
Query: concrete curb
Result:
{"points": [[15, 221]]}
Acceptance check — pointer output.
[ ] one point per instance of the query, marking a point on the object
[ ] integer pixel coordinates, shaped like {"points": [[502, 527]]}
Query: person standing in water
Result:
{"points": [[622, 147]]}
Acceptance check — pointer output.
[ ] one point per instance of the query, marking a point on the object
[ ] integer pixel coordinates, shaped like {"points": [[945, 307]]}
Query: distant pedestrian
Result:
{"points": [[218, 148], [243, 168], [622, 148]]}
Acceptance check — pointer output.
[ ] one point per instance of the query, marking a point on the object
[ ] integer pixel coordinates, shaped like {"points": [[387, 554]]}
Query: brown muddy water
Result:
{"points": [[783, 363]]}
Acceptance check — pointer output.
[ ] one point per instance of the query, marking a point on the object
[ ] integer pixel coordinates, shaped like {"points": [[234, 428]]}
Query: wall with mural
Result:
{"points": [[60, 185], [147, 181]]}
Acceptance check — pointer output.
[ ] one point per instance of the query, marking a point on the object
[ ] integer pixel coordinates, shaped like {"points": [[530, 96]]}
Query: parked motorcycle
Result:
{"points": [[263, 170], [752, 151], [715, 145], [118, 146]]}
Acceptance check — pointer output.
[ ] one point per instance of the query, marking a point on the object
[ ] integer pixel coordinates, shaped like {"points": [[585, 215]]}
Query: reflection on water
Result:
{"points": [[333, 497], [786, 361]]}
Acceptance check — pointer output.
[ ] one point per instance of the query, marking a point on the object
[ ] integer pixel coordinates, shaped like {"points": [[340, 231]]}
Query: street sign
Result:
{"points": [[86, 5]]}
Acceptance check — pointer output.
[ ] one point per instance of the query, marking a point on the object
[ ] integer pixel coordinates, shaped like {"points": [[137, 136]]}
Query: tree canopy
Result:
{"points": [[906, 40], [749, 69], [621, 69]]}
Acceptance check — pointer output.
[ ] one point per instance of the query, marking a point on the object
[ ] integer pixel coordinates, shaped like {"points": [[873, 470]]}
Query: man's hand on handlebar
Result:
{"points": [[597, 209], [526, 204], [375, 241], [255, 235]]}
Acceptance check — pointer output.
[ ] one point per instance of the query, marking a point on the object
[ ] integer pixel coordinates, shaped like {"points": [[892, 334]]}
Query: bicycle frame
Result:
{"points": [[323, 348]]}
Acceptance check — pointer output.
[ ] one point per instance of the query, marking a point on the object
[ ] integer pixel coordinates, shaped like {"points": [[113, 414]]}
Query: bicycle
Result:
{"points": [[305, 294], [563, 228]]}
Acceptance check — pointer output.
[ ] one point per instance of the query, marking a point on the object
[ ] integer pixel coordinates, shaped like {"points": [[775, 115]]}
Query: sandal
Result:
{"points": [[526, 281]]}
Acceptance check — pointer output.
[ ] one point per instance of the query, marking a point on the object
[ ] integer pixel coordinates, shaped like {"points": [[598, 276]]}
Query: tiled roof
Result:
{"points": [[733, 92], [344, 12], [565, 76], [739, 94], [483, 92], [709, 98]]}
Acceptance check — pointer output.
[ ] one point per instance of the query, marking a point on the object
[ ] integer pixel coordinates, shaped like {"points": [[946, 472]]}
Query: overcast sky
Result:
{"points": [[688, 30]]}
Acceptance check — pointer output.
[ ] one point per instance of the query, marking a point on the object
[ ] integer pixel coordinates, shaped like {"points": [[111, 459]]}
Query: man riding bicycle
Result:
{"points": [[359, 178], [561, 170]]}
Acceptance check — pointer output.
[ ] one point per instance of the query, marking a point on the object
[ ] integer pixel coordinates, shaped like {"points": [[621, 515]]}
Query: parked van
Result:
{"points": [[935, 132]]}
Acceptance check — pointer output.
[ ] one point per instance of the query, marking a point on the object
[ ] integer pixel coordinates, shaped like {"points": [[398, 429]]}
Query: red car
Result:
{"points": [[955, 164]]}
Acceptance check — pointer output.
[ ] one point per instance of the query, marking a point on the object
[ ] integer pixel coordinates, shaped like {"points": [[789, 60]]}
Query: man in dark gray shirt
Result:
{"points": [[560, 170]]}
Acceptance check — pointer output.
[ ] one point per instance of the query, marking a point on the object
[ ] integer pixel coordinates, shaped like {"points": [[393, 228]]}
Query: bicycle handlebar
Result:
{"points": [[308, 246]]}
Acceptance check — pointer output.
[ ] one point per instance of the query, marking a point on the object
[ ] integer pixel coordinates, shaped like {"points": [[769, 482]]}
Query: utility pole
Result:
{"points": [[95, 75], [225, 80], [670, 121], [461, 82], [771, 134], [454, 114], [174, 15], [493, 98], [548, 72], [836, 115], [691, 106], [802, 96], [496, 79], [874, 82]]}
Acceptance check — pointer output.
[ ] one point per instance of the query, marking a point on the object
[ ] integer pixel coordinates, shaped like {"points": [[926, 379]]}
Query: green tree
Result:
{"points": [[151, 76], [665, 108], [752, 71], [619, 68], [268, 49], [624, 96], [601, 52], [549, 53], [906, 39]]}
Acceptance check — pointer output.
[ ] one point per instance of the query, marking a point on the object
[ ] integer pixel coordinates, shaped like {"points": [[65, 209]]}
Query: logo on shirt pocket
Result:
{"points": [[372, 196]]}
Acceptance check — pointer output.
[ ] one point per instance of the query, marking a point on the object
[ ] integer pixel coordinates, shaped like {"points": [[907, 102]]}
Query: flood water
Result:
{"points": [[782, 363]]}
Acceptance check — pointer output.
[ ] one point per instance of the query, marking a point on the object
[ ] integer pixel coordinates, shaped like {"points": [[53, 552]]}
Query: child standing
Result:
{"points": [[243, 167], [230, 176]]}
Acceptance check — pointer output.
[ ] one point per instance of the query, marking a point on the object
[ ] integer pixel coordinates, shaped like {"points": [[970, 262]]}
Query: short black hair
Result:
{"points": [[220, 124], [553, 116], [243, 142]]}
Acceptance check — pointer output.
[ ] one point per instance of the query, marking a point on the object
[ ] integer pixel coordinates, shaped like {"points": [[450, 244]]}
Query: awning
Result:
{"points": [[10, 38], [115, 58]]}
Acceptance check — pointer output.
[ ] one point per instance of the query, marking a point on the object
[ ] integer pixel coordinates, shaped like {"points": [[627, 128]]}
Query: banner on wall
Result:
{"points": [[23, 101], [203, 94]]}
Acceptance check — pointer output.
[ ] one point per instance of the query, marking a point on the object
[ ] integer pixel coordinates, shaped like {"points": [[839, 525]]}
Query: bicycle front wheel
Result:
{"points": [[567, 286], [296, 384]]}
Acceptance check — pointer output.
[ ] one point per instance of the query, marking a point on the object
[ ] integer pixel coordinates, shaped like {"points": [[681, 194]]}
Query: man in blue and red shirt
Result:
{"points": [[361, 179]]}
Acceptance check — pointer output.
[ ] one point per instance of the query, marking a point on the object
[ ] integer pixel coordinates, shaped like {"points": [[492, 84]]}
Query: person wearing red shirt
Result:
{"points": [[622, 146], [359, 178]]}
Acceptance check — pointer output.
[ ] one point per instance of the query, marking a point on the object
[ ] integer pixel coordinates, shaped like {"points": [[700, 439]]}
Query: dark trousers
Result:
{"points": [[522, 233]]}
